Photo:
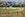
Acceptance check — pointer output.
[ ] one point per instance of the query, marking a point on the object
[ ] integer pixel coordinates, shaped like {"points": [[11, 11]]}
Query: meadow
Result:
{"points": [[8, 12]]}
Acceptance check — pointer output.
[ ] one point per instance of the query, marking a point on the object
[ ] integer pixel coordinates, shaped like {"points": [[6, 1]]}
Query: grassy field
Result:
{"points": [[10, 12]]}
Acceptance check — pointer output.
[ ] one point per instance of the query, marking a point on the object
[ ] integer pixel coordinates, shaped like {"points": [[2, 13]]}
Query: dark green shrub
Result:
{"points": [[16, 6]]}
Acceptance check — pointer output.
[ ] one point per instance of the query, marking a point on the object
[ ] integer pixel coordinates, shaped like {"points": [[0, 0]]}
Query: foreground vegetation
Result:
{"points": [[12, 13]]}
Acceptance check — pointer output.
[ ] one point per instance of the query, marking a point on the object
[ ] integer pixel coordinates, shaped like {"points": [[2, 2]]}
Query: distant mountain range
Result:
{"points": [[17, 1], [10, 2]]}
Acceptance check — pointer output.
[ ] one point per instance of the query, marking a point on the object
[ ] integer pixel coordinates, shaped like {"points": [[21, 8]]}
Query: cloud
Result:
{"points": [[17, 1]]}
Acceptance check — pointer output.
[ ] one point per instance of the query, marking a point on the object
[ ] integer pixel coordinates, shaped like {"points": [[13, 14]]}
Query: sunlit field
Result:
{"points": [[11, 12]]}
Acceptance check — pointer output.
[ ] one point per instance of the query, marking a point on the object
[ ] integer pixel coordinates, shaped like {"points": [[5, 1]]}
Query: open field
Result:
{"points": [[11, 12]]}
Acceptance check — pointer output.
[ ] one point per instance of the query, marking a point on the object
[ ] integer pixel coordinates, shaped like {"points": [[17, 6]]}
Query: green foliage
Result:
{"points": [[22, 5], [16, 6]]}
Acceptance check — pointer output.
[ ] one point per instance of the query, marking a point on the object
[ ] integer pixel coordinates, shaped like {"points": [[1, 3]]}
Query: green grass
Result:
{"points": [[4, 11], [11, 12]]}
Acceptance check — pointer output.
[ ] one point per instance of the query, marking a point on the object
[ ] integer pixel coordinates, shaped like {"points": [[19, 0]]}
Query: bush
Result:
{"points": [[16, 6]]}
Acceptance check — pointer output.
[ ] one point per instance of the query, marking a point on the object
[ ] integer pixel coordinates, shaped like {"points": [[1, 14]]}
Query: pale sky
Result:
{"points": [[8, 0], [19, 1]]}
